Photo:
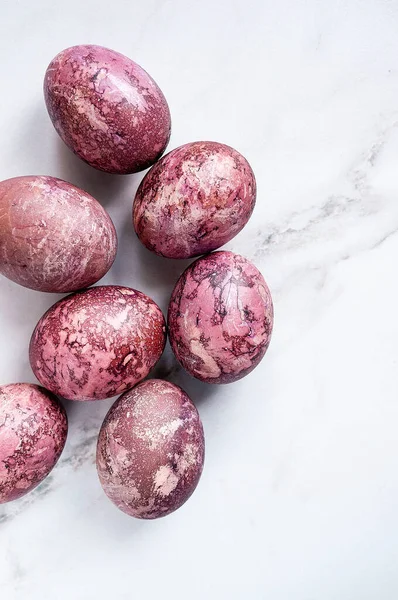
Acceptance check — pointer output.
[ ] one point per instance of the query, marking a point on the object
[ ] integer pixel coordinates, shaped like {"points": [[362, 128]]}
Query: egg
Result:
{"points": [[150, 450], [54, 237], [194, 200], [220, 318], [107, 109], [97, 343], [33, 430]]}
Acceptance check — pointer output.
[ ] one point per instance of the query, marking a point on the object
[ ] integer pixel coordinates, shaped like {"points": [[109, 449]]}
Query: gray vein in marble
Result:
{"points": [[83, 452], [388, 235], [12, 510], [305, 227]]}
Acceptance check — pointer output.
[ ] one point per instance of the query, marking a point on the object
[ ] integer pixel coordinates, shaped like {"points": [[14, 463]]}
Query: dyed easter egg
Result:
{"points": [[107, 109], [150, 450], [194, 200], [97, 343], [220, 318], [54, 237], [33, 430]]}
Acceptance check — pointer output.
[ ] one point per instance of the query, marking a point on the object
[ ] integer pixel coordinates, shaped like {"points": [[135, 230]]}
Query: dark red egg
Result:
{"points": [[150, 450], [97, 343], [220, 318], [33, 430], [54, 237], [194, 200], [107, 109]]}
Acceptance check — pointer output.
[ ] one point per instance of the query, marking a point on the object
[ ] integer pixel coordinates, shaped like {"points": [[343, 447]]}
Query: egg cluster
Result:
{"points": [[102, 341]]}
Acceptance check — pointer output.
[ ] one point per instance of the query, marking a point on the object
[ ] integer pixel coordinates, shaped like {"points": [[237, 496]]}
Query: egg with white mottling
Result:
{"points": [[107, 109], [33, 431], [150, 450], [194, 200], [220, 318], [97, 343], [54, 237]]}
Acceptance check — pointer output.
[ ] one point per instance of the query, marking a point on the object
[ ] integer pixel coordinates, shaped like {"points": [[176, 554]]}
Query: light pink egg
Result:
{"points": [[220, 318], [54, 237], [194, 200], [33, 430], [97, 343], [150, 450], [107, 109]]}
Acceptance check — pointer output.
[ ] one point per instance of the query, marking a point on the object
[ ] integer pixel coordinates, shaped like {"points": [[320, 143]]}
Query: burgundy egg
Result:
{"points": [[220, 318], [97, 343], [107, 109], [194, 200], [33, 430], [150, 450], [54, 237]]}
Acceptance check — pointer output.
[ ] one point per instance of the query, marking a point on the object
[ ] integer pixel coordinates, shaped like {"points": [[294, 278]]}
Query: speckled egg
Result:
{"points": [[150, 450], [33, 430], [54, 237], [220, 318], [107, 109], [97, 343], [194, 200]]}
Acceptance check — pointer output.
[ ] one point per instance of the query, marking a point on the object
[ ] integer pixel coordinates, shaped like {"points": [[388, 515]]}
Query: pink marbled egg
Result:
{"points": [[150, 450], [97, 343], [194, 200], [33, 430], [54, 237], [107, 109], [220, 318]]}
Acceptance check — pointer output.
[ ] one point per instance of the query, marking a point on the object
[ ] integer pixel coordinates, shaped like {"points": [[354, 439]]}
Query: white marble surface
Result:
{"points": [[299, 494]]}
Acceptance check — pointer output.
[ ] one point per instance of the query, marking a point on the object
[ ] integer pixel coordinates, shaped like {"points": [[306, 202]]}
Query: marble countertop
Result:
{"points": [[299, 493]]}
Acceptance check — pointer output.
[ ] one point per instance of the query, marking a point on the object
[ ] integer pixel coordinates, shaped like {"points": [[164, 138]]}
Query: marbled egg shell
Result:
{"points": [[54, 237], [220, 318], [194, 200], [97, 343], [150, 450], [107, 109], [33, 430]]}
